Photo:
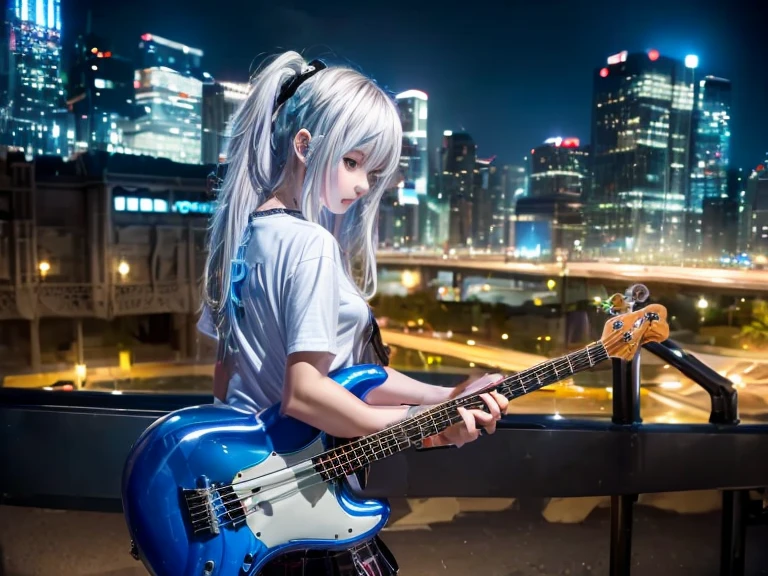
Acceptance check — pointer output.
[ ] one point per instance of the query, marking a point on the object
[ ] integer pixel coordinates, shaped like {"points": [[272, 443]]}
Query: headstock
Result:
{"points": [[624, 334]]}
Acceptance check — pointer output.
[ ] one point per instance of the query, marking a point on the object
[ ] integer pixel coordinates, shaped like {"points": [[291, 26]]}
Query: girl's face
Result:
{"points": [[353, 181]]}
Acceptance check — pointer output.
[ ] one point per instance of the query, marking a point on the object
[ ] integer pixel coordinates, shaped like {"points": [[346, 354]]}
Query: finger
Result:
{"points": [[493, 406], [469, 431], [501, 401], [469, 419], [485, 421], [482, 418]]}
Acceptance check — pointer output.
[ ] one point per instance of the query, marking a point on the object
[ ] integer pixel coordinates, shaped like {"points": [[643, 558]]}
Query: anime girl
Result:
{"points": [[291, 267]]}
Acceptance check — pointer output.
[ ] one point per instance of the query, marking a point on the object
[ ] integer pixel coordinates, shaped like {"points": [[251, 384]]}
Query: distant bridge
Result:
{"points": [[718, 278]]}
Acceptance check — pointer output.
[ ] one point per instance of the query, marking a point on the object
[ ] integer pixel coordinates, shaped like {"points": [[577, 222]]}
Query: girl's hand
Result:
{"points": [[474, 420]]}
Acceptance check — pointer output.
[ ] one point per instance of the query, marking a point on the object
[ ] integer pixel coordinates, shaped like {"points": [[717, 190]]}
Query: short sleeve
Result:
{"points": [[205, 324], [311, 306]]}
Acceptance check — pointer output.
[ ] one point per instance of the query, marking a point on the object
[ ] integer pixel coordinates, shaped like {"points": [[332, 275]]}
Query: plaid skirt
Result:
{"points": [[371, 558]]}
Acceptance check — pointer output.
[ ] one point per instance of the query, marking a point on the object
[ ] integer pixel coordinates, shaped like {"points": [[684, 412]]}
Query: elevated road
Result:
{"points": [[705, 277]]}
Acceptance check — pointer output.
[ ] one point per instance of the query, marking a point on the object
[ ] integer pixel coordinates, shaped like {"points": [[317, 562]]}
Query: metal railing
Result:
{"points": [[84, 437]]}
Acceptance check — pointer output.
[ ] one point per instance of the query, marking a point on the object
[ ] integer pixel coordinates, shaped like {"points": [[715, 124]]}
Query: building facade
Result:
{"points": [[100, 94], [406, 217], [641, 129], [33, 117], [104, 249], [560, 165], [220, 100], [756, 212], [711, 153], [457, 185], [170, 123], [158, 52], [548, 227]]}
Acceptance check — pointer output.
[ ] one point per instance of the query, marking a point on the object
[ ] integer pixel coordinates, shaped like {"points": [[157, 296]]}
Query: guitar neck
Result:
{"points": [[412, 431]]}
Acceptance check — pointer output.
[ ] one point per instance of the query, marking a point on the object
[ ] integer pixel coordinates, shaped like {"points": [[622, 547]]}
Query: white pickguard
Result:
{"points": [[297, 511]]}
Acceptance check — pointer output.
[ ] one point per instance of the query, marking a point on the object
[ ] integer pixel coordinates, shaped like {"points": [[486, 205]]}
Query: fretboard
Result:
{"points": [[411, 431]]}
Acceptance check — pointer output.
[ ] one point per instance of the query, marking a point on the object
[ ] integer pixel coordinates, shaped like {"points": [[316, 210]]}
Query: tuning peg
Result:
{"points": [[637, 293]]}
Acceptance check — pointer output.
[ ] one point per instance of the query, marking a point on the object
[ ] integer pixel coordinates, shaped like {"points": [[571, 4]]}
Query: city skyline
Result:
{"points": [[556, 66]]}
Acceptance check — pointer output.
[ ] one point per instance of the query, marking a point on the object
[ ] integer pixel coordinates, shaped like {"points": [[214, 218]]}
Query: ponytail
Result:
{"points": [[253, 171]]}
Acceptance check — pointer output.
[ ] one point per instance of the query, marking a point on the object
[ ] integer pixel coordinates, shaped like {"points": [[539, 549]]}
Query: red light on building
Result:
{"points": [[759, 168], [653, 55], [107, 54], [136, 84], [183, 95], [146, 37], [570, 143], [604, 73]]}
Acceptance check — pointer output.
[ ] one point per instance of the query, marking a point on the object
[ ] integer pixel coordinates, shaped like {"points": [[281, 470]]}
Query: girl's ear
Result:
{"points": [[301, 144]]}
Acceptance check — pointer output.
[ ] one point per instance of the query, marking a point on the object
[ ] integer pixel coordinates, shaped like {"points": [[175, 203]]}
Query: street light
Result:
{"points": [[80, 374], [44, 268], [123, 268], [702, 304], [692, 61]]}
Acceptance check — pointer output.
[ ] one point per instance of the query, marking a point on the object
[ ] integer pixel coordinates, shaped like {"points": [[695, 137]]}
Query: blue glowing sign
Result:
{"points": [[187, 207], [159, 205]]}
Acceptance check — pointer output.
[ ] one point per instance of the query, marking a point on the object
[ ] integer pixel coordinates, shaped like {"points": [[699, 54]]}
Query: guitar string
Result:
{"points": [[506, 383], [303, 482], [512, 388]]}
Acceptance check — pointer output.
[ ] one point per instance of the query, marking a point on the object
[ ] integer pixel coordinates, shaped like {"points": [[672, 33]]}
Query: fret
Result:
{"points": [[589, 358], [434, 424], [554, 367], [361, 459], [381, 446], [344, 454], [568, 357], [335, 468]]}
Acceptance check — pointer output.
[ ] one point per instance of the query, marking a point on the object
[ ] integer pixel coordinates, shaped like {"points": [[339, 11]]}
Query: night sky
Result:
{"points": [[510, 73]]}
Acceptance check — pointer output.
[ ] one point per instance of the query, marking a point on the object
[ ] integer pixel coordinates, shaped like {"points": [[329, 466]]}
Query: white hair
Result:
{"points": [[343, 111]]}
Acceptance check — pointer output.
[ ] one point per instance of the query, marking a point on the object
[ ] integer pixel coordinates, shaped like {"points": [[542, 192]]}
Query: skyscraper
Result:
{"points": [[169, 94], [220, 100], [558, 166], [719, 219], [413, 212], [100, 94], [156, 51], [171, 125], [549, 222], [641, 127], [32, 116], [756, 212], [458, 155], [711, 145]]}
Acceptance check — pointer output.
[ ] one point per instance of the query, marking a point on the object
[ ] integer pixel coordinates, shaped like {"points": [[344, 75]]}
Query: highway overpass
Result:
{"points": [[721, 278]]}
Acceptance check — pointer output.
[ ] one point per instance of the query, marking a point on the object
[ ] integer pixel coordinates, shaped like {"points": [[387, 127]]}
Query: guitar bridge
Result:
{"points": [[207, 507], [201, 510]]}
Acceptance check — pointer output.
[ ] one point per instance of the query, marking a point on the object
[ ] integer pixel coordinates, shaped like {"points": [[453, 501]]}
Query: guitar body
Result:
{"points": [[213, 490]]}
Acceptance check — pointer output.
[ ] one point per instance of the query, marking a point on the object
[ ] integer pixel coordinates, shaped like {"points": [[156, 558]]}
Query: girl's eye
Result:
{"points": [[350, 163]]}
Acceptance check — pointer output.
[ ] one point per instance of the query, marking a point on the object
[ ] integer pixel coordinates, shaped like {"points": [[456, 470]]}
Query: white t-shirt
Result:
{"points": [[294, 297]]}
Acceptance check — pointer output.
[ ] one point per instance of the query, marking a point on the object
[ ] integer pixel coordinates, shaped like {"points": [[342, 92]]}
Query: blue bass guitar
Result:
{"points": [[213, 490]]}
